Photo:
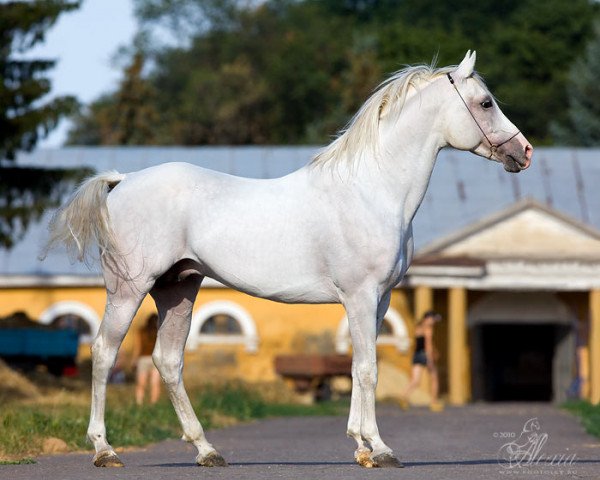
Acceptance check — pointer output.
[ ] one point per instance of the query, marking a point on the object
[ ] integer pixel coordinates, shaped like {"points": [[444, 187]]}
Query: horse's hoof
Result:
{"points": [[363, 458], [387, 460], [213, 459], [107, 459]]}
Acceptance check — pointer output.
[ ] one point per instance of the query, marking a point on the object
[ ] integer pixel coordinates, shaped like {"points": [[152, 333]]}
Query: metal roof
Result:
{"points": [[463, 188]]}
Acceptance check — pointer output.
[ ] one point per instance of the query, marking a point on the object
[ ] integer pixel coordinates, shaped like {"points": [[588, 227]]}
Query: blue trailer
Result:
{"points": [[28, 347]]}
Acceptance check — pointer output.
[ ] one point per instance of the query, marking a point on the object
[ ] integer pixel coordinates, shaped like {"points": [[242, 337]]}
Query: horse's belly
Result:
{"points": [[280, 288]]}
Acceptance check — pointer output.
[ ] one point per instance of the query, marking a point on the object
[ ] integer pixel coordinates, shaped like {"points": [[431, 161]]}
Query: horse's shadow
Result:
{"points": [[432, 463], [254, 464], [335, 464]]}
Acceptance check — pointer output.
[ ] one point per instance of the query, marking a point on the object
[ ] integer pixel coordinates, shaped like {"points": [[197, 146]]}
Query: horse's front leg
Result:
{"points": [[365, 313]]}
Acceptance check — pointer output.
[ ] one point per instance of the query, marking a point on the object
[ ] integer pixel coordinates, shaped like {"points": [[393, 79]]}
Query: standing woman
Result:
{"points": [[424, 358], [146, 372]]}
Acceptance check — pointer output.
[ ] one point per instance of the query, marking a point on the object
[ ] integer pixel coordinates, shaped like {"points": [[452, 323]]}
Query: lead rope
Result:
{"points": [[493, 146]]}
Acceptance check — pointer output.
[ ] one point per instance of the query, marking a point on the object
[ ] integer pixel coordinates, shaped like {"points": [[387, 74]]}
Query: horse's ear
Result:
{"points": [[466, 67]]}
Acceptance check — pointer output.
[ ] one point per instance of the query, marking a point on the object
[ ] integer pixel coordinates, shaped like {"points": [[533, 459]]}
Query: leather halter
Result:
{"points": [[493, 146]]}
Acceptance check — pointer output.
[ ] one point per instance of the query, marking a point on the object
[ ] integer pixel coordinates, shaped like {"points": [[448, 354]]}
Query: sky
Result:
{"points": [[83, 42]]}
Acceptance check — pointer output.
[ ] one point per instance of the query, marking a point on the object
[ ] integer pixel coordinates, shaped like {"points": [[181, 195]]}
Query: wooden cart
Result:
{"points": [[312, 373]]}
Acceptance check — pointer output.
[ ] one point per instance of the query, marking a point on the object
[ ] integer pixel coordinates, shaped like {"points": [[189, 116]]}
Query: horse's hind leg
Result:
{"points": [[121, 307], [174, 301]]}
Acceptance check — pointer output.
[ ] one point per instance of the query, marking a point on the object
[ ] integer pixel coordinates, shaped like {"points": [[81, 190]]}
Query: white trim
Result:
{"points": [[249, 336], [73, 308], [446, 270], [399, 337], [517, 274]]}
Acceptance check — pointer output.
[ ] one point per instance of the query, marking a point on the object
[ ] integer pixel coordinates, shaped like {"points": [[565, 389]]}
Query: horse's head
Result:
{"points": [[475, 122]]}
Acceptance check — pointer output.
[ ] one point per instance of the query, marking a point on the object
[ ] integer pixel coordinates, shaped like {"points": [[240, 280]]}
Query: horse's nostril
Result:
{"points": [[528, 152]]}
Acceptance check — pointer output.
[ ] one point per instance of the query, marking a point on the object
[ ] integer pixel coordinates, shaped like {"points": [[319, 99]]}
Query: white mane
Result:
{"points": [[361, 133]]}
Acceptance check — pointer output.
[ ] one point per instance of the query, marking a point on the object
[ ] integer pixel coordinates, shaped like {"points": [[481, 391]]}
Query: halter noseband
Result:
{"points": [[493, 146]]}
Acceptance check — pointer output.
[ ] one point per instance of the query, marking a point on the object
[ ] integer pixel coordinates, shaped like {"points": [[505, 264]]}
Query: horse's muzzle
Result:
{"points": [[517, 156]]}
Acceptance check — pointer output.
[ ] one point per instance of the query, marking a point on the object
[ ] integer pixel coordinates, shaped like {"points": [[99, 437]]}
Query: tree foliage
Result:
{"points": [[24, 115], [582, 126], [294, 71], [26, 193], [123, 118], [23, 119]]}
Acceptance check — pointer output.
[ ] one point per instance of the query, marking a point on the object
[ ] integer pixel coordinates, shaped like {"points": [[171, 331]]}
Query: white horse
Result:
{"points": [[336, 231]]}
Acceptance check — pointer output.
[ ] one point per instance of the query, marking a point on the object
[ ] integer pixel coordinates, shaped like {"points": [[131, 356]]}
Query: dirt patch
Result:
{"points": [[222, 420], [54, 445], [15, 386]]}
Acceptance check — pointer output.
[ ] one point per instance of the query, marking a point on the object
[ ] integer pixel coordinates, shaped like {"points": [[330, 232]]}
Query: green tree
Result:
{"points": [[25, 117], [258, 75], [582, 126], [126, 117]]}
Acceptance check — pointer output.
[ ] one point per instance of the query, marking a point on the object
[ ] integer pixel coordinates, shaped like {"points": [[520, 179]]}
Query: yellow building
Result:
{"points": [[517, 282]]}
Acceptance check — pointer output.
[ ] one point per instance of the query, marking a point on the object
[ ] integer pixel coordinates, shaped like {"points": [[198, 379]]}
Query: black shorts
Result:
{"points": [[420, 358]]}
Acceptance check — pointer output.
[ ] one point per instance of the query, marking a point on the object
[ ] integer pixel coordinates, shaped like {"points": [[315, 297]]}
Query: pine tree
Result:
{"points": [[25, 117], [583, 89], [23, 120]]}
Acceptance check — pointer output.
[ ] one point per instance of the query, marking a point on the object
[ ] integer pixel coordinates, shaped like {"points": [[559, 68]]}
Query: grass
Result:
{"points": [[24, 426], [21, 461], [296, 410], [588, 413]]}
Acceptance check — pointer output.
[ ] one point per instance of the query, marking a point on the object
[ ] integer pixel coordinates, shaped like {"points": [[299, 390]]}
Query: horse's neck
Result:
{"points": [[407, 154]]}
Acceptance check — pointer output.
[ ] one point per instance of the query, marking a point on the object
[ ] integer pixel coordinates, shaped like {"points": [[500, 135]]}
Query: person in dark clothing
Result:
{"points": [[424, 358]]}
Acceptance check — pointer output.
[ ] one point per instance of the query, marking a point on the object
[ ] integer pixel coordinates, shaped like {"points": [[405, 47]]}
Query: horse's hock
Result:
{"points": [[312, 375]]}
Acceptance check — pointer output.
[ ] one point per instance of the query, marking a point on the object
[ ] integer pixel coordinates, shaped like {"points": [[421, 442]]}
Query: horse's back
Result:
{"points": [[176, 174]]}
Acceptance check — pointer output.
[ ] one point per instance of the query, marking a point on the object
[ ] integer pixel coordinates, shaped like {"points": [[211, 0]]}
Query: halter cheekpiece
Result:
{"points": [[493, 146]]}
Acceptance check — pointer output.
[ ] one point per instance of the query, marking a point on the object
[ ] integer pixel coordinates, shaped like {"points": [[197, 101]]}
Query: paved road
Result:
{"points": [[460, 443]]}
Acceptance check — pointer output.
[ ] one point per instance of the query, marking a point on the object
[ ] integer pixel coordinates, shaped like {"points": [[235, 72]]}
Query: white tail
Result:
{"points": [[83, 220]]}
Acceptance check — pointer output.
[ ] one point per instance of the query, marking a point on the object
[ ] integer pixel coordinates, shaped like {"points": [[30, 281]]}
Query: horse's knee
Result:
{"points": [[366, 374]]}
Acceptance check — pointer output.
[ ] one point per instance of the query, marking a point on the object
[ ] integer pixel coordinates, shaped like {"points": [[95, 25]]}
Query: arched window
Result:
{"points": [[75, 315], [72, 322], [386, 329], [223, 323], [393, 332]]}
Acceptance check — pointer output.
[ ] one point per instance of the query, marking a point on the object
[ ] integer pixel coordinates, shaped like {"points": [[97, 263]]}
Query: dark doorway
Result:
{"points": [[517, 361]]}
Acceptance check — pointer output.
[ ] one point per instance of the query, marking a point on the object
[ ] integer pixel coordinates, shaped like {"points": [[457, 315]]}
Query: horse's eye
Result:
{"points": [[487, 104]]}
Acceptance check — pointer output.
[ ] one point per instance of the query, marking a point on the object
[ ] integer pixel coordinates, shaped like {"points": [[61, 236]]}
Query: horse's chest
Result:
{"points": [[401, 258], [390, 258]]}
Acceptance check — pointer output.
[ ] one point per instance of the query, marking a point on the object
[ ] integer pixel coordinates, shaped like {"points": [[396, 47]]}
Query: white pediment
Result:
{"points": [[525, 231]]}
